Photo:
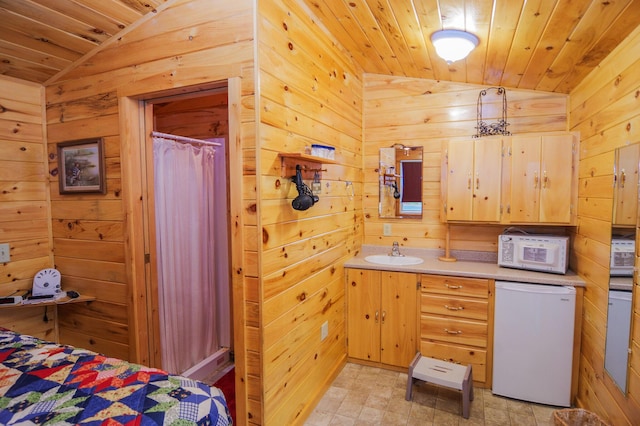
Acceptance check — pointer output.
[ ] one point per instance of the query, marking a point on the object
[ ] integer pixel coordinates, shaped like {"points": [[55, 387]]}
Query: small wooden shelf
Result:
{"points": [[63, 301], [307, 157], [288, 162]]}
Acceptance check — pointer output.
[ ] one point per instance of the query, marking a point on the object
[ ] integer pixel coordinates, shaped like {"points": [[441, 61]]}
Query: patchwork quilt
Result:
{"points": [[50, 384]]}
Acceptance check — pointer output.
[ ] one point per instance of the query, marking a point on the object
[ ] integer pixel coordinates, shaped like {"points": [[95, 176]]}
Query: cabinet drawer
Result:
{"points": [[454, 306], [473, 287], [463, 331], [458, 355]]}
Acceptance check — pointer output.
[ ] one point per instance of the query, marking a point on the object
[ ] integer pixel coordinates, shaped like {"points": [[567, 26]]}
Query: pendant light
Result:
{"points": [[453, 45]]}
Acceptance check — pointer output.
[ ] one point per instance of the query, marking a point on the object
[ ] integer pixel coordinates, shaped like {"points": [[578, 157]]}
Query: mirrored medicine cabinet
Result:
{"points": [[400, 173], [622, 263]]}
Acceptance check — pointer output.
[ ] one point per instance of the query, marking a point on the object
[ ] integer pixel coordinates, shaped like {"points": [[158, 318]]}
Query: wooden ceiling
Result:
{"points": [[548, 45], [40, 38]]}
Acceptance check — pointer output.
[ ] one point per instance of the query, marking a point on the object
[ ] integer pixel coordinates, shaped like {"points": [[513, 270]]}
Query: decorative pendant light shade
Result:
{"points": [[453, 45]]}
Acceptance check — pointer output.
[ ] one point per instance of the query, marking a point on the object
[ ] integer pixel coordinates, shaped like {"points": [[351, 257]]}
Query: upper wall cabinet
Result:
{"points": [[529, 179], [625, 197], [542, 185], [471, 180]]}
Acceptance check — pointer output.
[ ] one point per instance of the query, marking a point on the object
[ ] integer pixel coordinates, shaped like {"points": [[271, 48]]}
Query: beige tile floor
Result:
{"points": [[363, 395]]}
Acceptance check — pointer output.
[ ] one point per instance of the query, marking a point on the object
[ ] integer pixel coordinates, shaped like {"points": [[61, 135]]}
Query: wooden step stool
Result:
{"points": [[442, 373]]}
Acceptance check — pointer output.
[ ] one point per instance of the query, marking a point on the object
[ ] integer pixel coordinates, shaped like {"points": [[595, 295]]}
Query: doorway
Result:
{"points": [[192, 118]]}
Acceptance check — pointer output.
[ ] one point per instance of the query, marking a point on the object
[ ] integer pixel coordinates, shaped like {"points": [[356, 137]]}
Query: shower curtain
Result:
{"points": [[185, 203]]}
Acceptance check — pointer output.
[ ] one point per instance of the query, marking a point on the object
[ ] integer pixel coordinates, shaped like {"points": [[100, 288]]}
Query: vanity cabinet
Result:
{"points": [[543, 180], [471, 180], [382, 316], [456, 322]]}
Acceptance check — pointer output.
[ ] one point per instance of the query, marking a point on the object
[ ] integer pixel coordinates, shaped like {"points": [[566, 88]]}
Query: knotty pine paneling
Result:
{"points": [[188, 46], [201, 118], [310, 93], [420, 112], [24, 203], [605, 108]]}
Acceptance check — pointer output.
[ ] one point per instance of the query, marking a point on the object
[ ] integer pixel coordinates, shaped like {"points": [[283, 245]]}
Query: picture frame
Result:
{"points": [[81, 166]]}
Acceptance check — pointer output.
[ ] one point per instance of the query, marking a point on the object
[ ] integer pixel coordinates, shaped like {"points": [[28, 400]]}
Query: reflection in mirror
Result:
{"points": [[623, 255], [400, 181], [616, 358], [625, 181]]}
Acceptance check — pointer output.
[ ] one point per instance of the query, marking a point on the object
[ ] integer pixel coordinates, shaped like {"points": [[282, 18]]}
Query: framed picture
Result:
{"points": [[81, 166]]}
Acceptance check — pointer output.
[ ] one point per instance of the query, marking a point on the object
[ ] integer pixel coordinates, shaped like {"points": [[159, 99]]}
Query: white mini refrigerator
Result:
{"points": [[533, 342]]}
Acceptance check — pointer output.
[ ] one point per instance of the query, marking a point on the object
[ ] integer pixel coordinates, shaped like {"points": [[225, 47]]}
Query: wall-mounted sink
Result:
{"points": [[385, 259]]}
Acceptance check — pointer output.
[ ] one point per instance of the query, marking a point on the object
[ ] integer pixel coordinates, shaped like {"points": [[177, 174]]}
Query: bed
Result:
{"points": [[46, 383]]}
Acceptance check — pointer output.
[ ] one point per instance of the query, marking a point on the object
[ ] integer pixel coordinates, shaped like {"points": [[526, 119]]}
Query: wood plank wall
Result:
{"points": [[291, 269], [24, 203], [201, 118], [426, 113], [185, 46], [310, 93], [605, 109]]}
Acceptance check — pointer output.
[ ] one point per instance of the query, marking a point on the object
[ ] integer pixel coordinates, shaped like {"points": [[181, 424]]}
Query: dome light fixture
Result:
{"points": [[453, 45]]}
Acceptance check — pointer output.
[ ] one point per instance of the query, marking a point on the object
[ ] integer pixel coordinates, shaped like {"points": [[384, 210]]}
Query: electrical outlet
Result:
{"points": [[386, 229], [4, 253], [324, 330]]}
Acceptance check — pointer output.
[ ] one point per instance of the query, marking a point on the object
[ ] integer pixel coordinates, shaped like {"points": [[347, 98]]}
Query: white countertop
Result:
{"points": [[485, 268]]}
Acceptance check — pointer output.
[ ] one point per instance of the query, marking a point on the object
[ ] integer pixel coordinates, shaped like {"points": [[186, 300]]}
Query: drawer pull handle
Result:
{"points": [[453, 287], [454, 308], [446, 330], [451, 360], [377, 315], [384, 315]]}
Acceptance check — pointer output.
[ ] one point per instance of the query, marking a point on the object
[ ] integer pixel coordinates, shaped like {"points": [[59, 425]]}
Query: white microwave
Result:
{"points": [[545, 253], [623, 257]]}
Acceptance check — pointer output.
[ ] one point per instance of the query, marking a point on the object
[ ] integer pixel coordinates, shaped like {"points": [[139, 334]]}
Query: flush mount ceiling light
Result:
{"points": [[453, 45]]}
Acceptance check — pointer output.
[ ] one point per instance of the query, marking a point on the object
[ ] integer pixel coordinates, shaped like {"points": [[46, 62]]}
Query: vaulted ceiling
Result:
{"points": [[548, 45], [40, 38]]}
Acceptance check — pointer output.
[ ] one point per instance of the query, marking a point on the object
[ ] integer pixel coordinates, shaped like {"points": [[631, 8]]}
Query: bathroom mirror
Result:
{"points": [[400, 172], [622, 261]]}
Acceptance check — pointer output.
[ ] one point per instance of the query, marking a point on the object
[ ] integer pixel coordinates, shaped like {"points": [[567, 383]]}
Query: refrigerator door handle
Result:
{"points": [[535, 288]]}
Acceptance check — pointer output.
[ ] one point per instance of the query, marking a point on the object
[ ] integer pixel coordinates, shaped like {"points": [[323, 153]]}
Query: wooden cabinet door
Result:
{"points": [[399, 318], [556, 177], [487, 165], [473, 180], [525, 179], [626, 185], [459, 180], [541, 179], [363, 314]]}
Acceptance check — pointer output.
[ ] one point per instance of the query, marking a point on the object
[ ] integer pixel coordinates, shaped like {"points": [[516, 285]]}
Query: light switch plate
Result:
{"points": [[386, 229], [324, 330], [4, 253]]}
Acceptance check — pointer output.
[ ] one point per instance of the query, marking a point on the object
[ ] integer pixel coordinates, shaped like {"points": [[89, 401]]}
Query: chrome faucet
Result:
{"points": [[395, 249]]}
